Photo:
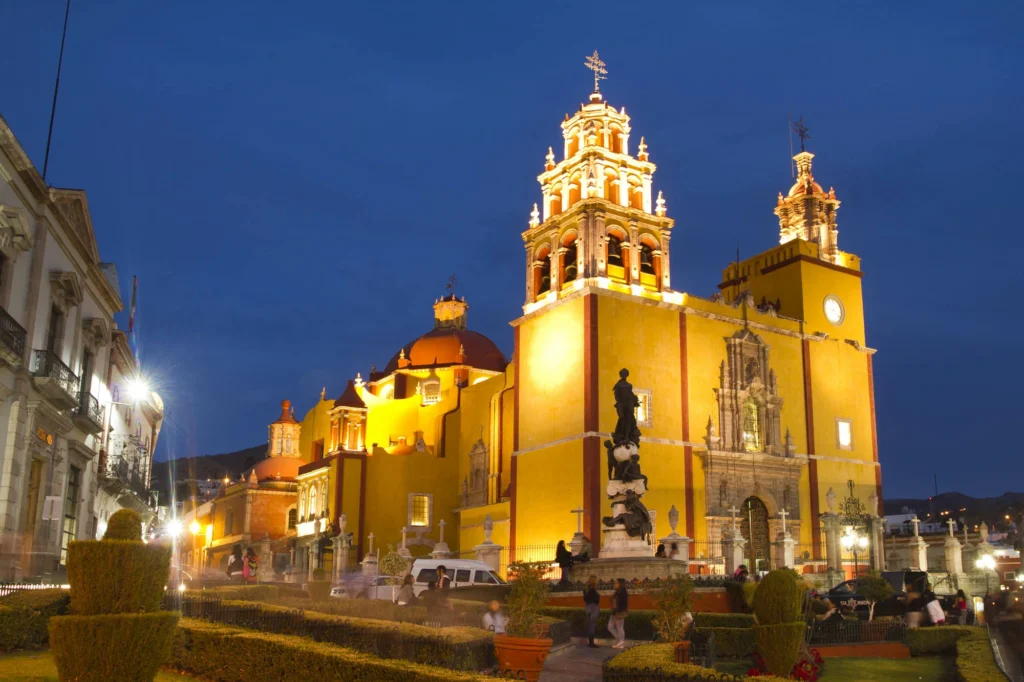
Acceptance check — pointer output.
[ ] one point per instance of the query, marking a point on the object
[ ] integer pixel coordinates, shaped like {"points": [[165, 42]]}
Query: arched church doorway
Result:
{"points": [[754, 527]]}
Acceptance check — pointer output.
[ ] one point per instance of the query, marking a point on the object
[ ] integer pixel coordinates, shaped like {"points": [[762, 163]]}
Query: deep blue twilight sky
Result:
{"points": [[293, 183]]}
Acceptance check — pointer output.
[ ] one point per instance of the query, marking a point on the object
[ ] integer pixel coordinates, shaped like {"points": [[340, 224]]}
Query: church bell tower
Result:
{"points": [[598, 222]]}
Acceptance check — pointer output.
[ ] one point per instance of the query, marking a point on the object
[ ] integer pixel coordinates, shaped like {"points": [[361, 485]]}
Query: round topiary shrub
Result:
{"points": [[117, 646], [778, 598], [124, 524], [779, 646]]}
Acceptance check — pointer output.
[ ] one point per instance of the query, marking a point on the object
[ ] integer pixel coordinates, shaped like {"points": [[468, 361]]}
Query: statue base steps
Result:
{"points": [[628, 568]]}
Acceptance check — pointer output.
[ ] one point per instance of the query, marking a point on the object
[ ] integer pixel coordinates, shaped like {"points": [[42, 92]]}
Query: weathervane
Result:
{"points": [[801, 131], [595, 64], [451, 284]]}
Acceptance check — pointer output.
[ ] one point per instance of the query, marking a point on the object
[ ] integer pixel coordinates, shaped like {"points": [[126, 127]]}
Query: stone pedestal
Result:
{"points": [[833, 548], [441, 551], [266, 557], [918, 553], [639, 568], [734, 548], [579, 540], [311, 561], [782, 549], [369, 565], [617, 543], [680, 542], [954, 560], [340, 557], [490, 554]]}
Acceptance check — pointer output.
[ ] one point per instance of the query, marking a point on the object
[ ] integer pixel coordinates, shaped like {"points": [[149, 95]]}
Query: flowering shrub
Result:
{"points": [[808, 668]]}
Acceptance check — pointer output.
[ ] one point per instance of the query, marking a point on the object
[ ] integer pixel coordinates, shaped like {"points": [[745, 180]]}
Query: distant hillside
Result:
{"points": [[973, 510], [230, 464]]}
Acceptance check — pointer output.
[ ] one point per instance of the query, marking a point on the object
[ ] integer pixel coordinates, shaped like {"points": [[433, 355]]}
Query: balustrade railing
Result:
{"points": [[46, 364], [128, 472], [89, 406], [12, 334]]}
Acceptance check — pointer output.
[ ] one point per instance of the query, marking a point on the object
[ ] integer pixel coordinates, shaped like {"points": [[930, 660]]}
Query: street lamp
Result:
{"points": [[174, 528], [987, 563], [853, 541], [138, 389], [195, 528]]}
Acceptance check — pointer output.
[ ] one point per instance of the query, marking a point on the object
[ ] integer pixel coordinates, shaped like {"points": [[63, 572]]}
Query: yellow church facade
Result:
{"points": [[755, 399]]}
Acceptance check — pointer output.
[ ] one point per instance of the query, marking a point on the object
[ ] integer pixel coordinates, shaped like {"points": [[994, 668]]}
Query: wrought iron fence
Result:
{"points": [[11, 588], [840, 632], [385, 642], [89, 406], [642, 585], [12, 334], [47, 364]]}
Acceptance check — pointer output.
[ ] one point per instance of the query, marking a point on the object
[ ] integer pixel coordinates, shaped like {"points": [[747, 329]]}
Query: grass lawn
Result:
{"points": [[926, 668], [37, 666]]}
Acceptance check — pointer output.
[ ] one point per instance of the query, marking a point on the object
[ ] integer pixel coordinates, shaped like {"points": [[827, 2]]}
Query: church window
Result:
{"points": [[614, 250], [229, 522], [751, 427], [643, 410], [431, 391], [419, 510], [388, 392], [287, 450], [844, 434], [312, 502], [293, 518], [302, 503], [646, 259]]}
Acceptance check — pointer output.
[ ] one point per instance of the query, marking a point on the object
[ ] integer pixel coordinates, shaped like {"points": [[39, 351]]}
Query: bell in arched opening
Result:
{"points": [[646, 259]]}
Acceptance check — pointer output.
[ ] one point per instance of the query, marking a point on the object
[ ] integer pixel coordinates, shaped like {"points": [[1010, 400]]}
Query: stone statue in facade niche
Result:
{"points": [[626, 402], [635, 518]]}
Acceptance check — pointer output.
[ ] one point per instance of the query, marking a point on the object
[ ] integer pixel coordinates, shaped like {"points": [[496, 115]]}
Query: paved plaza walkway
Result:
{"points": [[578, 663]]}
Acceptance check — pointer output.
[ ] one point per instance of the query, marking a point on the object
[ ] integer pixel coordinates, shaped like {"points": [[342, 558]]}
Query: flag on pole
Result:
{"points": [[132, 337]]}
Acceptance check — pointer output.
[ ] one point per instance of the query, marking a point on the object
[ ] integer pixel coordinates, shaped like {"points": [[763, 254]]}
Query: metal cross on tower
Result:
{"points": [[595, 64], [451, 284], [801, 131]]}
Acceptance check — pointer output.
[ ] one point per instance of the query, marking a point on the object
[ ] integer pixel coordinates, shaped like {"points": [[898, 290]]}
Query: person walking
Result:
{"points": [[960, 608], [563, 557], [443, 581], [406, 595], [620, 609], [235, 561], [592, 606], [250, 566]]}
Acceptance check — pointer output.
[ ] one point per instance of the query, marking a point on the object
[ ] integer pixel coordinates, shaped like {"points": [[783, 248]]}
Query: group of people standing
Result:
{"points": [[248, 565], [617, 620]]}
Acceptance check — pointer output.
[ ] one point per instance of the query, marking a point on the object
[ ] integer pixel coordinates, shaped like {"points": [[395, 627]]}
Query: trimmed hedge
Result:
{"points": [[230, 654], [140, 644], [732, 642], [934, 641], [975, 661], [24, 616], [640, 624], [779, 645], [354, 608], [260, 592], [648, 657], [117, 576]]}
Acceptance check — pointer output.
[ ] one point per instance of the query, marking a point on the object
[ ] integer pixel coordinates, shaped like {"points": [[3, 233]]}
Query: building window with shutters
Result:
{"points": [[70, 525]]}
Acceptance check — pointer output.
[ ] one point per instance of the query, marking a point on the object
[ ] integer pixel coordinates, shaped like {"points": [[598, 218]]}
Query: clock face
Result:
{"points": [[834, 311]]}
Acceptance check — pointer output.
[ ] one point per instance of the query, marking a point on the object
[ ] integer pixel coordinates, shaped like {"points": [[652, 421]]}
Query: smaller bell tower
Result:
{"points": [[808, 212]]}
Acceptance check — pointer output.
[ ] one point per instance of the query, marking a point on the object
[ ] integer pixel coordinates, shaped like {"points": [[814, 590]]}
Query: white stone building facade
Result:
{"points": [[57, 302]]}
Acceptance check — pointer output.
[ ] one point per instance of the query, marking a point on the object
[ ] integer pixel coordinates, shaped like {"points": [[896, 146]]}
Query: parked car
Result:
{"points": [[471, 579]]}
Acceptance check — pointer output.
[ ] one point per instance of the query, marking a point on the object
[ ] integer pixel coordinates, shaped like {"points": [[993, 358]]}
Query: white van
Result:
{"points": [[462, 573]]}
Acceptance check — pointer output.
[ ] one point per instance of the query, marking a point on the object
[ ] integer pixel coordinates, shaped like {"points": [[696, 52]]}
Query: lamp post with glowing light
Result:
{"points": [[174, 529], [986, 563], [857, 543]]}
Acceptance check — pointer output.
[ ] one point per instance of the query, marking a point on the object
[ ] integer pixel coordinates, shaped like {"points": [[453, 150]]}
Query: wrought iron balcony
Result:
{"points": [[89, 415], [54, 379], [12, 339], [127, 475]]}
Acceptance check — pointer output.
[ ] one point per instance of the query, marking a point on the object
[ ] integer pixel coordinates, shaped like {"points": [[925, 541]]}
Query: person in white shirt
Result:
{"points": [[494, 619]]}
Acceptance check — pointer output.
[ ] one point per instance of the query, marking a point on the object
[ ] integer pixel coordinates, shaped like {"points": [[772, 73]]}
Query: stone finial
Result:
{"points": [[830, 500], [660, 210], [873, 505], [442, 524], [369, 539], [983, 532], [252, 478], [549, 160], [323, 392], [534, 216], [342, 522], [673, 515], [359, 380], [401, 354], [641, 153]]}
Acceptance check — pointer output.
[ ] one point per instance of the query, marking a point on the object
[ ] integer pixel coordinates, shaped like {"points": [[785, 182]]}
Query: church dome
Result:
{"points": [[449, 343], [276, 468]]}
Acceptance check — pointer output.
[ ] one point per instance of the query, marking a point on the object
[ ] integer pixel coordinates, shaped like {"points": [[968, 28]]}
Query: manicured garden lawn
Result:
{"points": [[37, 666], [925, 668]]}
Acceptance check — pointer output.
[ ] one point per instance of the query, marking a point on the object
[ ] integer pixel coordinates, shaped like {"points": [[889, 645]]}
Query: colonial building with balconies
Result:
{"points": [[57, 302]]}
